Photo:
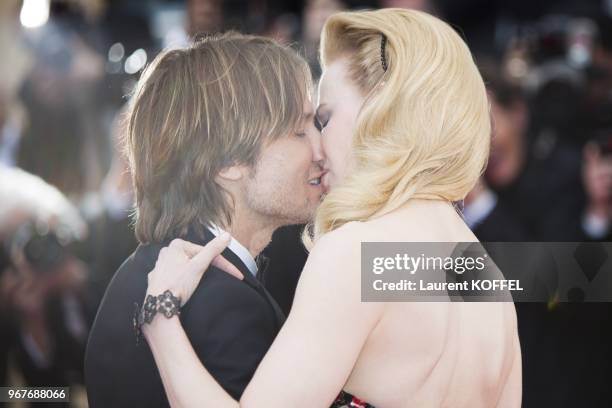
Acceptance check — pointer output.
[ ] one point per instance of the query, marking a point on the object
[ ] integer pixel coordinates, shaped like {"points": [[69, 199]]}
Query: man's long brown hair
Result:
{"points": [[199, 109]]}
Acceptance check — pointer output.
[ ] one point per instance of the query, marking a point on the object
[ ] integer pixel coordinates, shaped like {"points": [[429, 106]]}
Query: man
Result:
{"points": [[220, 137]]}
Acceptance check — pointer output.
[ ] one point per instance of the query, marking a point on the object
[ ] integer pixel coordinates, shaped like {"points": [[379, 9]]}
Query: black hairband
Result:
{"points": [[383, 45]]}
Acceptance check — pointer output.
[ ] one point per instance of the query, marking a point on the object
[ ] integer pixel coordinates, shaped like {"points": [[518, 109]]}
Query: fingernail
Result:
{"points": [[225, 236]]}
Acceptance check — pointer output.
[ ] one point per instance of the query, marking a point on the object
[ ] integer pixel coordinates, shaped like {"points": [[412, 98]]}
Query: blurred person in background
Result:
{"points": [[534, 170], [485, 213], [554, 192], [597, 153], [67, 135], [43, 293], [313, 18], [204, 16], [559, 342], [60, 96], [542, 121], [11, 119], [16, 61], [111, 236], [284, 29], [490, 219], [597, 175]]}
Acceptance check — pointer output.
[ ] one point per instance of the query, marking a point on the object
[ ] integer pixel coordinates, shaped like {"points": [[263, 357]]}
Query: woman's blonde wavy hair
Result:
{"points": [[424, 129]]}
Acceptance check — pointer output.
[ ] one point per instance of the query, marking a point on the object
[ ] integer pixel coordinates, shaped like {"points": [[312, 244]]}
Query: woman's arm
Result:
{"points": [[186, 381], [311, 358]]}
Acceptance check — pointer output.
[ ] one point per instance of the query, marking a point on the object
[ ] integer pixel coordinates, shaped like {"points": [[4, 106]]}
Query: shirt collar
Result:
{"points": [[478, 210], [237, 248]]}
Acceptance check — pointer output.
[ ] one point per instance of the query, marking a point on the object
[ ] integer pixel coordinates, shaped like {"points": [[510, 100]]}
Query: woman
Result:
{"points": [[405, 126]]}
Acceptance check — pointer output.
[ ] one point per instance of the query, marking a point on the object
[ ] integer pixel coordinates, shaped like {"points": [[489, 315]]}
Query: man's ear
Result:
{"points": [[232, 173]]}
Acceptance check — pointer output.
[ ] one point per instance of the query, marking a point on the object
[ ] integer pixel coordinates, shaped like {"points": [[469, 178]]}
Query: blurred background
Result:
{"points": [[68, 66]]}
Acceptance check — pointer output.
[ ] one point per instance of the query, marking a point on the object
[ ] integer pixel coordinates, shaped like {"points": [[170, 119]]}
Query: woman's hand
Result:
{"points": [[181, 265]]}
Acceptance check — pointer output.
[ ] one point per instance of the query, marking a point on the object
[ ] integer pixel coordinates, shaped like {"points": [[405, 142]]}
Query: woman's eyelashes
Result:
{"points": [[320, 122]]}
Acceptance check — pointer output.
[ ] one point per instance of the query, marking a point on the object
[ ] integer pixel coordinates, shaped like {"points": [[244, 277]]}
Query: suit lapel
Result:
{"points": [[249, 279]]}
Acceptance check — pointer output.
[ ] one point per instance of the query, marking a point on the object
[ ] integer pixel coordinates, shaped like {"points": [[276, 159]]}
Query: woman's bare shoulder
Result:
{"points": [[420, 223], [334, 267], [335, 259], [338, 246]]}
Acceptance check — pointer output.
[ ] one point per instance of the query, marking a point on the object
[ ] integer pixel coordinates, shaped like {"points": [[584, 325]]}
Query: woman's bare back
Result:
{"points": [[426, 354]]}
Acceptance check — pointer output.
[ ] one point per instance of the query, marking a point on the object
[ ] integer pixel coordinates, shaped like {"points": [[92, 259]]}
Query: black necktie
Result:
{"points": [[262, 262]]}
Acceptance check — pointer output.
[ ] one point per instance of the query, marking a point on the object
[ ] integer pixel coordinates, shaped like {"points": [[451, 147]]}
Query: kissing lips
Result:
{"points": [[316, 181]]}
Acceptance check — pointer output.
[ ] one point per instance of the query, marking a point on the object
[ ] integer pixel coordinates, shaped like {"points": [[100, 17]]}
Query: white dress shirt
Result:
{"points": [[239, 249]]}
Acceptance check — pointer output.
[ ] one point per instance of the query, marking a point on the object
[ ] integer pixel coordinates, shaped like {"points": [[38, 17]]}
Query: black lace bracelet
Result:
{"points": [[166, 304]]}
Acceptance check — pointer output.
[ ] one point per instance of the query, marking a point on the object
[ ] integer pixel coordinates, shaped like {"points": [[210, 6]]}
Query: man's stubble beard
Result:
{"points": [[278, 210], [273, 202]]}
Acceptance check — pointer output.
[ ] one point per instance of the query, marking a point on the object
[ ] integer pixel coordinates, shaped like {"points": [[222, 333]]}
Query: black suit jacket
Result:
{"points": [[231, 324]]}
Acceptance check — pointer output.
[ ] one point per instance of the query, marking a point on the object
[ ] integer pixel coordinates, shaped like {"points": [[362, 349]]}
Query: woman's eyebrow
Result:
{"points": [[321, 106]]}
